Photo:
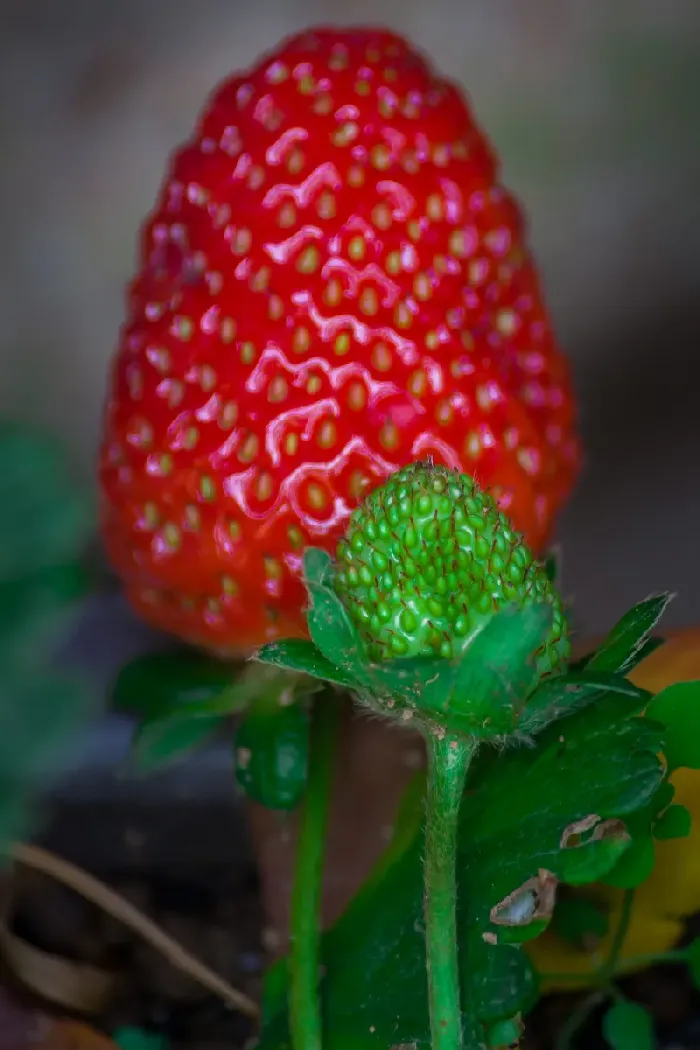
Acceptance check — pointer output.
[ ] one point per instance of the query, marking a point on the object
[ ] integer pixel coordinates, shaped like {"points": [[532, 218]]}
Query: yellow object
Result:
{"points": [[672, 891]]}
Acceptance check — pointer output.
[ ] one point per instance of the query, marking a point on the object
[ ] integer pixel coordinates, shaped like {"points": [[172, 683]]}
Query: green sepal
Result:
{"points": [[557, 697], [628, 642], [331, 629], [303, 657], [272, 751]]}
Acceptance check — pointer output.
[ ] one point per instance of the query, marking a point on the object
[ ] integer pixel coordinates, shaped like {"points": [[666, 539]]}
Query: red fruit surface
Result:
{"points": [[333, 283]]}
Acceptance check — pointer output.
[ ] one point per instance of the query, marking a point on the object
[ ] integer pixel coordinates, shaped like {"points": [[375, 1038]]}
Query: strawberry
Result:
{"points": [[333, 284], [426, 561]]}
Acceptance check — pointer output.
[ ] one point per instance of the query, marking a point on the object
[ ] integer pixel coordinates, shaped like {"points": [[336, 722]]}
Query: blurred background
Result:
{"points": [[595, 109]]}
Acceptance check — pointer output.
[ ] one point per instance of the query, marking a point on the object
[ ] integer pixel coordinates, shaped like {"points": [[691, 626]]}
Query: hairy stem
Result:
{"points": [[448, 762], [304, 1002]]}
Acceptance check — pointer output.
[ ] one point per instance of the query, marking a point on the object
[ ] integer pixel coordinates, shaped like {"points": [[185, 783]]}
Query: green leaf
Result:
{"points": [[628, 1026], [674, 823], [272, 754], [678, 708], [692, 958], [578, 918], [521, 817], [302, 656], [46, 519], [160, 740], [159, 684], [330, 626], [621, 648]]}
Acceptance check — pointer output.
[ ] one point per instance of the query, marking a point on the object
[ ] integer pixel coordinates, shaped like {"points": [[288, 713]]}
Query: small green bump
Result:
{"points": [[366, 577], [405, 507], [408, 621], [424, 505], [446, 649], [398, 645], [357, 542], [371, 530], [379, 560], [435, 607], [384, 612]]}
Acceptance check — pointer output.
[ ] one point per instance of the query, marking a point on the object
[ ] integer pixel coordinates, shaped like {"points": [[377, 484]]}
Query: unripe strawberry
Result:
{"points": [[428, 558]]}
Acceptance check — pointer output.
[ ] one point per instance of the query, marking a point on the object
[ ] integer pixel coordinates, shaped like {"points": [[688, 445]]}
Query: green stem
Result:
{"points": [[448, 762], [609, 968], [304, 1002]]}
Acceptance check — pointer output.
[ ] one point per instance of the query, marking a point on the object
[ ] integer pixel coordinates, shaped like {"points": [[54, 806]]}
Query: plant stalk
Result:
{"points": [[448, 762], [305, 915]]}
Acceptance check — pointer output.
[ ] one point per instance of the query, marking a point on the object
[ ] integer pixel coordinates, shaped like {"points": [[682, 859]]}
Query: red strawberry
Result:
{"points": [[333, 284]]}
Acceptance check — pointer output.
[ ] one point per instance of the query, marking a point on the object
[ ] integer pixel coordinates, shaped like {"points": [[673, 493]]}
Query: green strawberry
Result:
{"points": [[428, 559]]}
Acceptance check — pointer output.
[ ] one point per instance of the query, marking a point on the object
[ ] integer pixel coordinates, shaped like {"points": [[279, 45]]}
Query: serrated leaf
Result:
{"points": [[519, 807], [674, 823], [302, 656], [620, 649], [678, 708], [331, 629], [628, 1026], [272, 755]]}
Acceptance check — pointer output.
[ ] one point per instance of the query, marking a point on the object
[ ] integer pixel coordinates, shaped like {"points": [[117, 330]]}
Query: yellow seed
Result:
{"points": [[182, 328], [192, 517], [358, 484], [327, 434], [263, 488], [422, 288], [249, 449], [325, 206], [434, 207], [228, 329], [256, 177], [313, 384], [431, 340], [389, 436], [380, 157], [459, 245], [295, 537], [356, 248], [165, 464], [207, 488], [309, 259], [301, 340], [261, 279], [369, 302], [362, 87], [323, 104], [345, 134], [381, 357], [291, 444], [472, 445], [341, 344], [333, 292], [207, 378], [357, 397], [171, 535], [273, 568], [278, 390], [248, 353], [356, 176], [444, 413], [381, 216], [418, 383], [413, 229], [441, 156], [242, 242], [316, 496], [234, 529], [151, 516], [393, 262], [287, 215], [228, 415], [295, 162], [275, 308], [403, 317], [306, 85], [229, 586], [190, 437]]}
